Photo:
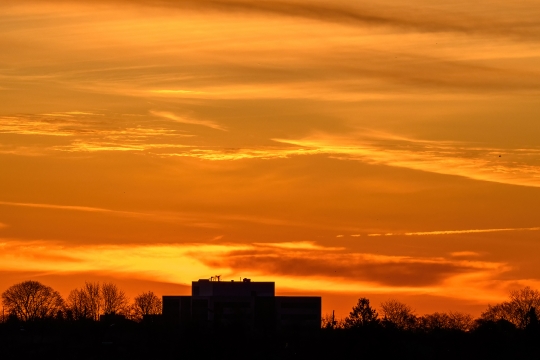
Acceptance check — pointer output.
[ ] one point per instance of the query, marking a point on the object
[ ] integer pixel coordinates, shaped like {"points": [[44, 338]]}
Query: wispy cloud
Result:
{"points": [[185, 218], [243, 153], [139, 261], [195, 219], [454, 232], [82, 113], [90, 132], [464, 254], [176, 92], [46, 124], [412, 15], [122, 146], [346, 270], [299, 245], [185, 120], [515, 166], [507, 166], [471, 231], [291, 265], [56, 207]]}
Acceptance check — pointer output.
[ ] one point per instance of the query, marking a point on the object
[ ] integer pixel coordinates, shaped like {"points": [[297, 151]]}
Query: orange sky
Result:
{"points": [[344, 148]]}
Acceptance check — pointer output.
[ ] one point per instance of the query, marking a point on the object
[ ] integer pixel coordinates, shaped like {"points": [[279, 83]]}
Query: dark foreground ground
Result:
{"points": [[128, 340]]}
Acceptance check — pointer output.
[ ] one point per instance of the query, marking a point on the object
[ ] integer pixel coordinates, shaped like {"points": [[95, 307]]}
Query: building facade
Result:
{"points": [[242, 305]]}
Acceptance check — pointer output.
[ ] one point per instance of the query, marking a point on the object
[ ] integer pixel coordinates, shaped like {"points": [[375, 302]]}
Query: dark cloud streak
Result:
{"points": [[404, 272], [415, 16], [418, 17]]}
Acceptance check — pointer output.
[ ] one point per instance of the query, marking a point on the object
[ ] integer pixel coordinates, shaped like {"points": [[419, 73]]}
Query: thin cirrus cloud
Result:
{"points": [[517, 167], [455, 232], [464, 253], [38, 125], [178, 217], [77, 123], [186, 218], [88, 132], [298, 245], [185, 120], [367, 70], [123, 146], [57, 207], [415, 15], [148, 216]]}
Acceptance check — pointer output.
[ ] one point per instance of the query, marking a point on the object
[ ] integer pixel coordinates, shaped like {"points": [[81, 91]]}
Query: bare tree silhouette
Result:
{"points": [[113, 299], [398, 315], [146, 304], [78, 305], [460, 321], [31, 300], [446, 321], [517, 309], [85, 303]]}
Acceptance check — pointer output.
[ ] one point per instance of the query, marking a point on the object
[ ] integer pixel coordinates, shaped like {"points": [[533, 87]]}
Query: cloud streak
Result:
{"points": [[516, 167], [303, 265], [414, 15], [464, 254], [90, 132], [299, 245], [461, 159], [37, 125], [185, 120], [455, 232], [188, 219], [300, 261], [57, 207], [471, 231], [194, 219]]}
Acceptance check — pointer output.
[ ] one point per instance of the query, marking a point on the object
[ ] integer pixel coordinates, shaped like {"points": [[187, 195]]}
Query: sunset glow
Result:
{"points": [[342, 148]]}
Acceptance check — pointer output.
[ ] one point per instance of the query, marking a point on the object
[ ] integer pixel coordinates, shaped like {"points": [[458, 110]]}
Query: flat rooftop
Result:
{"points": [[246, 287]]}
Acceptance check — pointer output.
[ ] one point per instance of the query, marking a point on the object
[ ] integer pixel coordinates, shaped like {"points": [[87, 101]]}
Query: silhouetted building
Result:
{"points": [[244, 305]]}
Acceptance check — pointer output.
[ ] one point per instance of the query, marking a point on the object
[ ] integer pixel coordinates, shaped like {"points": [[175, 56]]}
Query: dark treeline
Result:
{"points": [[32, 301], [97, 321]]}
